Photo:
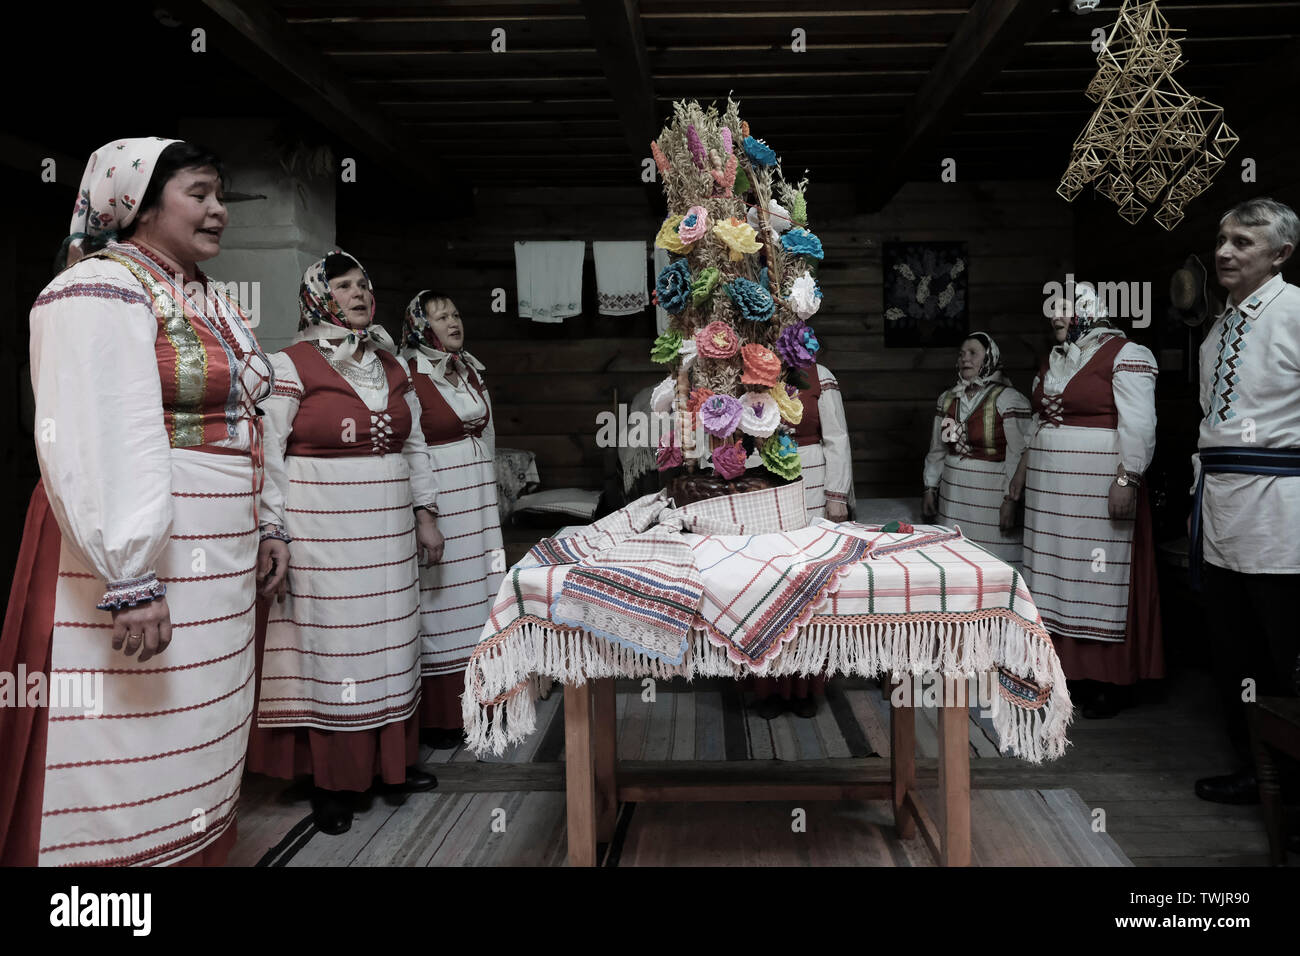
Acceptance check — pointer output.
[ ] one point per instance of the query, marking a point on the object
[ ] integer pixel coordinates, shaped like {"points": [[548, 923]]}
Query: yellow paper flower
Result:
{"points": [[668, 238], [790, 406], [739, 237]]}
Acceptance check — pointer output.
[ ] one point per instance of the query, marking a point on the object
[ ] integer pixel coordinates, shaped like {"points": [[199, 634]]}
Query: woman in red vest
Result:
{"points": [[457, 592], [1089, 550], [340, 680], [130, 621], [975, 449]]}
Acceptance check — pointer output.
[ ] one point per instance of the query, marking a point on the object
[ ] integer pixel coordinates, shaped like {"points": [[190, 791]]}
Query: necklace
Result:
{"points": [[370, 376]]}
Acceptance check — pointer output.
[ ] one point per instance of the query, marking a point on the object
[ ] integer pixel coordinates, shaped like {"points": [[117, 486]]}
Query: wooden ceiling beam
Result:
{"points": [[260, 40], [615, 27], [989, 36]]}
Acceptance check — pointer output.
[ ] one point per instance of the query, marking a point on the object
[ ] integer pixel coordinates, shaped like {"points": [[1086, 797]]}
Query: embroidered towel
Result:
{"points": [[550, 279], [620, 277]]}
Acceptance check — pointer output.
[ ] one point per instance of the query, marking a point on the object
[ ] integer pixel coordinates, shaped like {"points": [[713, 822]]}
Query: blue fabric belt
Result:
{"points": [[1234, 460]]}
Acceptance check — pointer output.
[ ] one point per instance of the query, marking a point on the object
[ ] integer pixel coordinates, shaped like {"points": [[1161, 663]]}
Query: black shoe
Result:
{"points": [[1103, 705], [330, 814], [770, 708], [805, 707], [417, 781], [439, 738], [1238, 788]]}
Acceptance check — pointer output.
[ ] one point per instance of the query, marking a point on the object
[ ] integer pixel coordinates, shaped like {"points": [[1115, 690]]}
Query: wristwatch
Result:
{"points": [[1126, 479]]}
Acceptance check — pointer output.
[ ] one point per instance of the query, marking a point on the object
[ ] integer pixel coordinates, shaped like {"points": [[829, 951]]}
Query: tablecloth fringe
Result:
{"points": [[503, 678]]}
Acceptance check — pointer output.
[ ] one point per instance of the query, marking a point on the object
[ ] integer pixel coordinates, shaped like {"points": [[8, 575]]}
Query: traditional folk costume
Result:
{"points": [[975, 447], [149, 446], [340, 678], [1093, 577], [823, 438], [456, 594], [827, 468], [1246, 515]]}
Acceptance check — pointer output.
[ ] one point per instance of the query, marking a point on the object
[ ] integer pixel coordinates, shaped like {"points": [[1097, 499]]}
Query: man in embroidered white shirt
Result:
{"points": [[1247, 510]]}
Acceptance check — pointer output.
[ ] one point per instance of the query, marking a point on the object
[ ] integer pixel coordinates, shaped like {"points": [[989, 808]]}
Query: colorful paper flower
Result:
{"points": [[720, 415], [761, 366], [666, 347], [673, 286], [798, 346], [780, 455], [800, 242], [669, 454], [739, 237], [698, 156], [688, 353], [759, 153], [703, 285], [694, 225], [717, 340], [661, 399], [697, 398], [729, 460], [754, 302], [761, 416], [787, 400], [726, 139], [660, 159], [742, 184], [799, 209], [668, 238], [778, 217], [805, 297]]}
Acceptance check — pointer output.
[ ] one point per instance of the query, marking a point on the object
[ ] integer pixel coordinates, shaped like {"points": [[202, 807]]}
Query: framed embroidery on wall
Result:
{"points": [[925, 300]]}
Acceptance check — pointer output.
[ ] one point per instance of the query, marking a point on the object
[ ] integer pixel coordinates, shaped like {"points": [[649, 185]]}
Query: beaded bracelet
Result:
{"points": [[131, 592]]}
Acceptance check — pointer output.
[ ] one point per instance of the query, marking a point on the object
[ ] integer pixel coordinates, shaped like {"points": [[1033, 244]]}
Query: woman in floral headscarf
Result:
{"points": [[151, 521], [1089, 552], [975, 448], [340, 679], [456, 593]]}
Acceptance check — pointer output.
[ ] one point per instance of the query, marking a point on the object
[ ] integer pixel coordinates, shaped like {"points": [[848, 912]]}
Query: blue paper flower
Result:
{"points": [[673, 287], [754, 302], [758, 151], [801, 242]]}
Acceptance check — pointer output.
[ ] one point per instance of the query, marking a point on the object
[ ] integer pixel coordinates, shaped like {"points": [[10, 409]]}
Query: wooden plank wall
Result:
{"points": [[549, 382]]}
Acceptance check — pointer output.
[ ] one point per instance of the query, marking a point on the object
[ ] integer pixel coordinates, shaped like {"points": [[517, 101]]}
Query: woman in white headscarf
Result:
{"points": [[976, 444], [457, 592], [340, 680], [1089, 552], [151, 522]]}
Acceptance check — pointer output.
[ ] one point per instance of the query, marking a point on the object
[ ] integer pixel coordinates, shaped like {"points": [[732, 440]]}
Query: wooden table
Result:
{"points": [[1274, 728], [595, 786]]}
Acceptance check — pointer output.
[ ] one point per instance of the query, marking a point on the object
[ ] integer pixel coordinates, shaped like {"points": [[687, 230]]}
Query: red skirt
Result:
{"points": [[335, 759], [440, 702], [1141, 656]]}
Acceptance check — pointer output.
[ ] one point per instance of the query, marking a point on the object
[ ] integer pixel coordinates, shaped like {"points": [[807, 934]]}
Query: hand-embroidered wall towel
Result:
{"points": [[550, 279], [620, 277]]}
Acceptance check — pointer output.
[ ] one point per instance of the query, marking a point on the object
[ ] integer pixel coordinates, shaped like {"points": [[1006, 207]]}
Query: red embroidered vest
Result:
{"points": [[200, 398], [439, 422], [809, 429], [1088, 400], [333, 421], [982, 435]]}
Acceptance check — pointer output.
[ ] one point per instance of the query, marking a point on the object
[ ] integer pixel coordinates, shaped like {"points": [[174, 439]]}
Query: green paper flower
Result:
{"points": [[703, 285], [780, 456], [743, 184], [666, 347]]}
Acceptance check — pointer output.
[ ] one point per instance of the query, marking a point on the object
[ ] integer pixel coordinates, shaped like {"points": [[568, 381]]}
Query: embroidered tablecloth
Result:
{"points": [[641, 594]]}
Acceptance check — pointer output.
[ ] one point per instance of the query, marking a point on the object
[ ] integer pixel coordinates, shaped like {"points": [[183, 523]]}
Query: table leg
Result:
{"points": [[579, 775], [1270, 793], [606, 743], [902, 765], [954, 777]]}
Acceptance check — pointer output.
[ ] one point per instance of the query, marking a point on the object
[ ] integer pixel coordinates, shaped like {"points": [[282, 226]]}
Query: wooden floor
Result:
{"points": [[1122, 795]]}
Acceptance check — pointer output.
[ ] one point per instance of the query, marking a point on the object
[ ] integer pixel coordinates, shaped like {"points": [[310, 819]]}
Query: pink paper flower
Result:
{"points": [[694, 226], [669, 455], [729, 460], [717, 340]]}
